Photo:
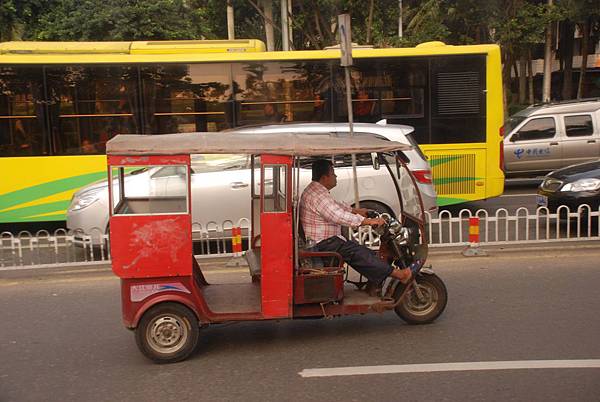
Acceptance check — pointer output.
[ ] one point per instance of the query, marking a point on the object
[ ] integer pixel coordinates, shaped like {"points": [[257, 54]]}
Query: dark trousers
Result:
{"points": [[359, 257]]}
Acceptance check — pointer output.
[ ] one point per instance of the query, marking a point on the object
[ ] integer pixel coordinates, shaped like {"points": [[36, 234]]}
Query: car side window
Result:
{"points": [[346, 160], [206, 163], [579, 126], [537, 129]]}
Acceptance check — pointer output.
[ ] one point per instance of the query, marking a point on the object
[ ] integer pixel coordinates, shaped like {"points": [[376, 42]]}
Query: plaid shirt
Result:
{"points": [[321, 216]]}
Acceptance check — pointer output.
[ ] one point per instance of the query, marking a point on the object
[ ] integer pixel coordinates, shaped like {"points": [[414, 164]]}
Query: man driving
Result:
{"points": [[322, 218]]}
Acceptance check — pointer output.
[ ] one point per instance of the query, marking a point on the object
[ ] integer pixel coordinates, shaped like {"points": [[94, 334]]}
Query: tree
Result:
{"points": [[17, 16], [117, 20], [585, 14]]}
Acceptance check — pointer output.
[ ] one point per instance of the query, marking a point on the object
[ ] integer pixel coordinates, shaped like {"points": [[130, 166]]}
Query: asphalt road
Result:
{"points": [[62, 339], [517, 193]]}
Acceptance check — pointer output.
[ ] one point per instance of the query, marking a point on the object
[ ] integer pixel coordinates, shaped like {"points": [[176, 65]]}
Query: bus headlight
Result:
{"points": [[582, 185]]}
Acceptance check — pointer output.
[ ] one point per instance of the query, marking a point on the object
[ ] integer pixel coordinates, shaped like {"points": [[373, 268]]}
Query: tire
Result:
{"points": [[414, 311], [167, 333]]}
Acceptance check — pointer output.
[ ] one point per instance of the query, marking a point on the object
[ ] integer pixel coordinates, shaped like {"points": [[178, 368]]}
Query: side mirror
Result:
{"points": [[375, 160], [514, 137]]}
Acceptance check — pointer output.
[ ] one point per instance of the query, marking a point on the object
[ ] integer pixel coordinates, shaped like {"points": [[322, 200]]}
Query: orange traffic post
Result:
{"points": [[473, 249], [236, 247]]}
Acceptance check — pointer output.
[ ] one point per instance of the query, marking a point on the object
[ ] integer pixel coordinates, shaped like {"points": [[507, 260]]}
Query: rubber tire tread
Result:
{"points": [[436, 282]]}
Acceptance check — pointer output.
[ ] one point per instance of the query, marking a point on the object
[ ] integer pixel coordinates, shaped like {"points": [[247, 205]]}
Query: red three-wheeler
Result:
{"points": [[165, 296]]}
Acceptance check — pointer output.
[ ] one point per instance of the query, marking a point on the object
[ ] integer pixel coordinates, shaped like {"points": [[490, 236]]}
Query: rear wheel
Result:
{"points": [[167, 333], [426, 304]]}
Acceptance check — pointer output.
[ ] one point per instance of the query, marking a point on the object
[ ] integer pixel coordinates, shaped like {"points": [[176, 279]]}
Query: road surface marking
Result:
{"points": [[517, 195], [441, 367]]}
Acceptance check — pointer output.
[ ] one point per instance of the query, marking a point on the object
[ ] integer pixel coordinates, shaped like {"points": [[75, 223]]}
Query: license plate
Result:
{"points": [[541, 200]]}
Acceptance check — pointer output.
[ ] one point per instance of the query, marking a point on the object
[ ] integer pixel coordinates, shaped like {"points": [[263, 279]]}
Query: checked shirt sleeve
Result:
{"points": [[333, 212]]}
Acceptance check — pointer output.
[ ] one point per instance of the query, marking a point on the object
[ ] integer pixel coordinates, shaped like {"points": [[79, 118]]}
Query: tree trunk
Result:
{"points": [[547, 84], [400, 19], [506, 80], [567, 55], [530, 78], [370, 21], [230, 21], [285, 40], [522, 78], [267, 6], [584, 56]]}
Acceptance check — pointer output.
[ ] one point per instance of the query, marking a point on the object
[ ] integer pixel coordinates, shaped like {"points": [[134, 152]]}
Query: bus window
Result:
{"points": [[90, 106], [458, 99], [385, 89], [282, 91], [183, 98], [21, 112]]}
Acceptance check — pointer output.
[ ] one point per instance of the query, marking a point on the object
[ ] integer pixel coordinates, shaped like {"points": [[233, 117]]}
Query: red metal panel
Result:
{"points": [[276, 264], [277, 274], [157, 160], [148, 246]]}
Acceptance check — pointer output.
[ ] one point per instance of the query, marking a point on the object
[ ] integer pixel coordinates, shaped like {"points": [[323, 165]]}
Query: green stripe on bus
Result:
{"points": [[448, 180], [16, 215], [32, 193], [46, 218], [435, 161], [442, 201]]}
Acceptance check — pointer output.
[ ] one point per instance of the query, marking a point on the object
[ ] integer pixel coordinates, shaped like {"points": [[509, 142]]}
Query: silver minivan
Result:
{"points": [[550, 136]]}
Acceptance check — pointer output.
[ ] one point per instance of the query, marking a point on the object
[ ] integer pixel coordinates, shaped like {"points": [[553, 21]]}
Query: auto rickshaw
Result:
{"points": [[165, 296]]}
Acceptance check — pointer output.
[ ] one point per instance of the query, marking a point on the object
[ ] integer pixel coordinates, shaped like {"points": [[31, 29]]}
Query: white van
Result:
{"points": [[551, 136]]}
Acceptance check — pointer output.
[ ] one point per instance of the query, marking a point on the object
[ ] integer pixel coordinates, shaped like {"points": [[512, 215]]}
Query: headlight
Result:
{"points": [[582, 185], [84, 201]]}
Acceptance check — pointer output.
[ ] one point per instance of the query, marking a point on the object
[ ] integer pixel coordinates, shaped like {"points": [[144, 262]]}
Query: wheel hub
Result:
{"points": [[422, 305], [166, 334]]}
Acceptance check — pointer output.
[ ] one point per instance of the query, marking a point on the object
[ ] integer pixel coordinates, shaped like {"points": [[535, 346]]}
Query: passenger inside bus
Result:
{"points": [[271, 114]]}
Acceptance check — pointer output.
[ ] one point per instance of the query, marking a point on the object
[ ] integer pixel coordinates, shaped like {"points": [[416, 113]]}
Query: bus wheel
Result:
{"points": [[426, 305], [167, 333]]}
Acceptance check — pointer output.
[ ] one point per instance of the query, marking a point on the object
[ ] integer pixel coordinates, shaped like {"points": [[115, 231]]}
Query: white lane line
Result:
{"points": [[440, 367], [517, 195]]}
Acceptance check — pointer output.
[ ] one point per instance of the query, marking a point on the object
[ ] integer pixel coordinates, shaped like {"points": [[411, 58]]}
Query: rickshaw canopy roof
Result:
{"points": [[295, 144]]}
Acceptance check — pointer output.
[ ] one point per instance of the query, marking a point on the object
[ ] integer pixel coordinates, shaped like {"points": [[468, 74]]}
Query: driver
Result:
{"points": [[322, 218]]}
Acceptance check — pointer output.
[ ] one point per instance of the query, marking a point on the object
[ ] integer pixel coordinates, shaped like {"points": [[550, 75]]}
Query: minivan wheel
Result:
{"points": [[377, 207]]}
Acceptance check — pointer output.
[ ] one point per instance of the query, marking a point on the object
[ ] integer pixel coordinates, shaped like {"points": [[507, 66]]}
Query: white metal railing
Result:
{"points": [[64, 247], [520, 227]]}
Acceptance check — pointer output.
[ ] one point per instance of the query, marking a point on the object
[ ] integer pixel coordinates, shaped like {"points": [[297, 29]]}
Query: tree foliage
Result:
{"points": [[518, 26]]}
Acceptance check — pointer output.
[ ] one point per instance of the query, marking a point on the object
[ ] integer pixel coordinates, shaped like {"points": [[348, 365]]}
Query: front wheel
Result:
{"points": [[167, 333], [427, 304]]}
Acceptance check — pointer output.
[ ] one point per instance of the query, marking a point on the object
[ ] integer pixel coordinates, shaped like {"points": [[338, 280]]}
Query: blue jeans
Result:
{"points": [[359, 257]]}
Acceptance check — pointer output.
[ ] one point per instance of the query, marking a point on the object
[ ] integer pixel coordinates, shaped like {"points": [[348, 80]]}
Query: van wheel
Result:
{"points": [[167, 333], [375, 206]]}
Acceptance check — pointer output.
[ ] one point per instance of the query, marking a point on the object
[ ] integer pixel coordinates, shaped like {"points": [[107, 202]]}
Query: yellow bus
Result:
{"points": [[60, 103]]}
